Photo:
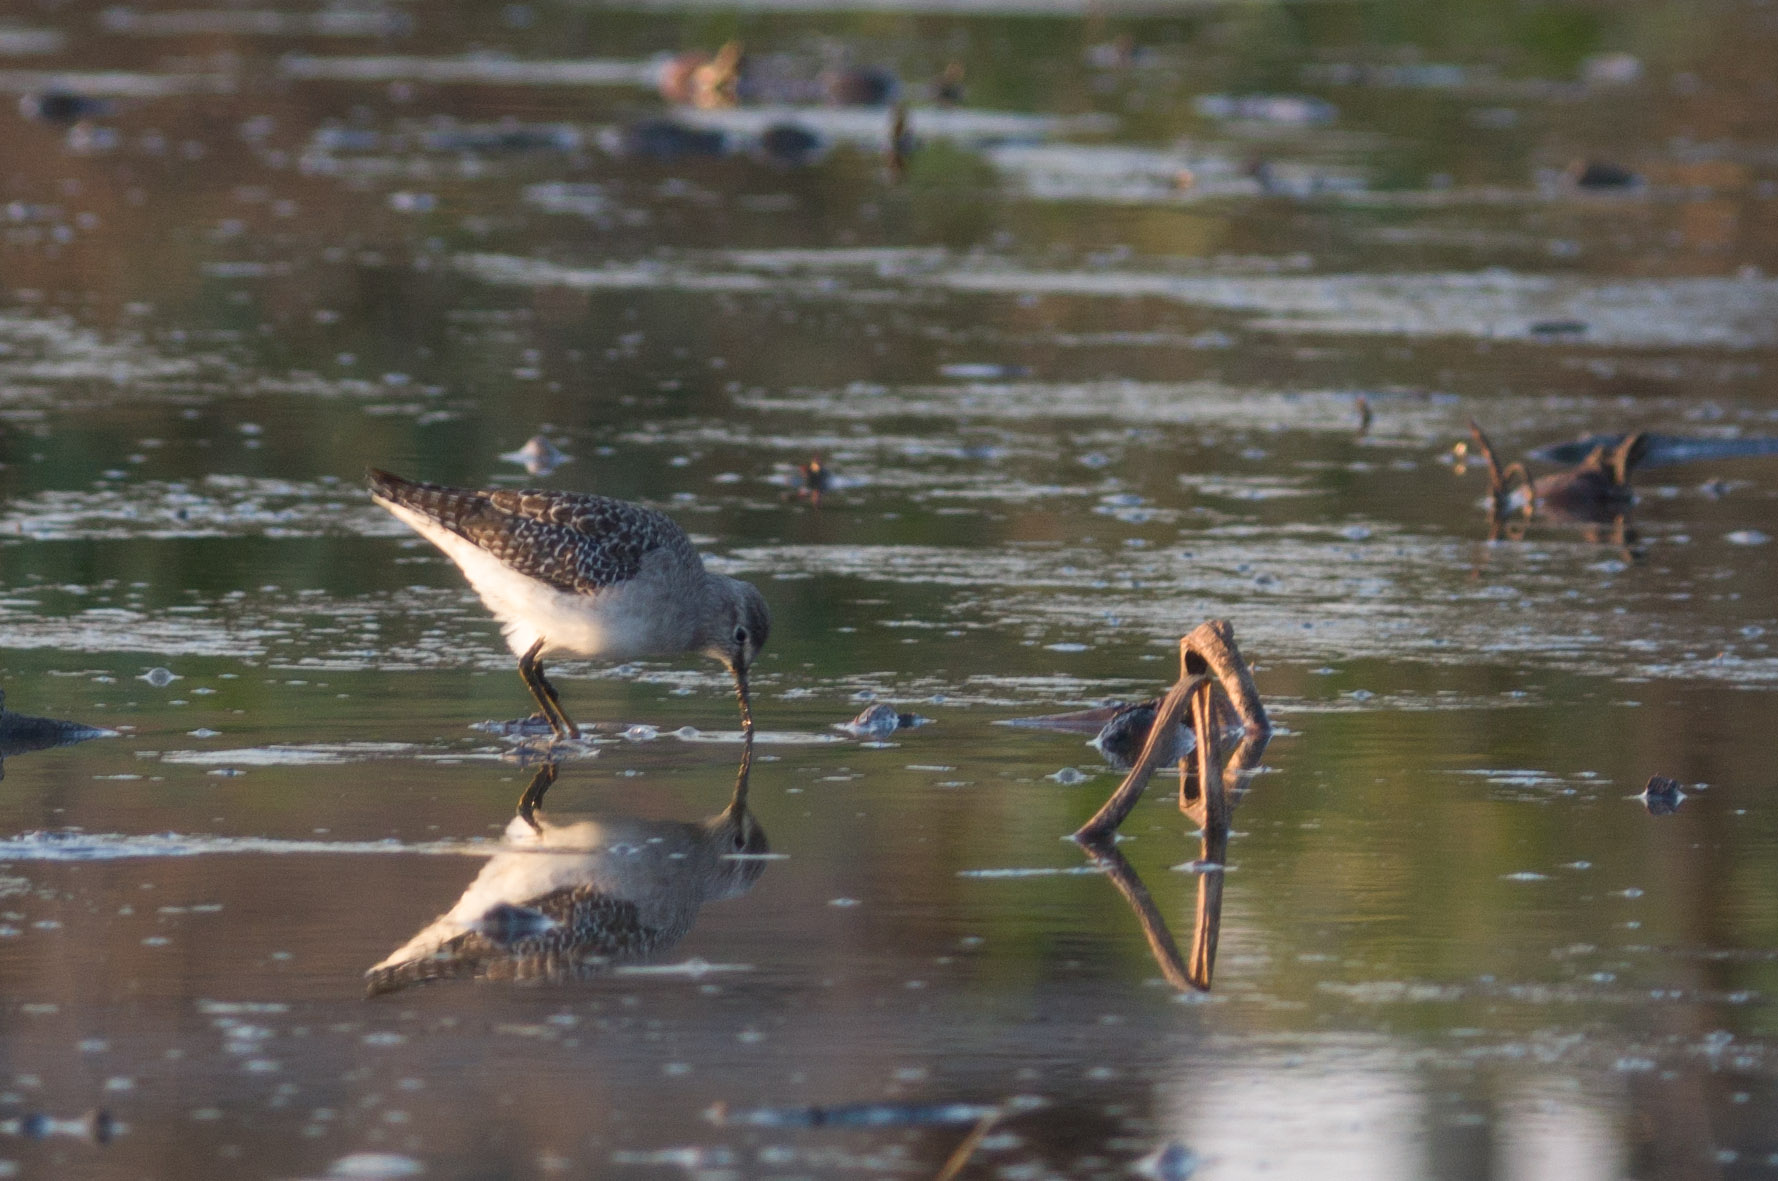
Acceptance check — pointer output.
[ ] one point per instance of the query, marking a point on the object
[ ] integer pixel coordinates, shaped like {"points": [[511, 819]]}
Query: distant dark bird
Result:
{"points": [[1364, 416], [63, 106], [586, 575], [814, 478]]}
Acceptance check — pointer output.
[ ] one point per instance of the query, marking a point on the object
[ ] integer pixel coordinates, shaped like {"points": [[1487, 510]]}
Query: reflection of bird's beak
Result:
{"points": [[740, 671]]}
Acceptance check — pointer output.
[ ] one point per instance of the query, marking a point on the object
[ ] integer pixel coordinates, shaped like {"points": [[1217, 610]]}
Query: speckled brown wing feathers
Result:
{"points": [[575, 542], [572, 932]]}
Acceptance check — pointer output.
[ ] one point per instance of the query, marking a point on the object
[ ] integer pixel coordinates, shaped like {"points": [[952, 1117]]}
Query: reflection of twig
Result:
{"points": [[534, 793], [965, 1150], [1123, 875], [1208, 925]]}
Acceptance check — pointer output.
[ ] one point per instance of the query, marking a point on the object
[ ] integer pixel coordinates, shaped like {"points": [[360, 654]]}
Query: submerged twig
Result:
{"points": [[1208, 659], [965, 1150]]}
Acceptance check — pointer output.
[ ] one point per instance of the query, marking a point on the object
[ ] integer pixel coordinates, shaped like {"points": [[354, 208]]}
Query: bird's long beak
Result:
{"points": [[740, 671]]}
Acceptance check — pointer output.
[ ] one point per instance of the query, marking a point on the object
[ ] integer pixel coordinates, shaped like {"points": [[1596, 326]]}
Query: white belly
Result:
{"points": [[623, 622]]}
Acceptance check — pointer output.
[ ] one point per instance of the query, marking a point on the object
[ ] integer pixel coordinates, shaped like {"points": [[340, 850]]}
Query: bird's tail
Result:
{"points": [[450, 507]]}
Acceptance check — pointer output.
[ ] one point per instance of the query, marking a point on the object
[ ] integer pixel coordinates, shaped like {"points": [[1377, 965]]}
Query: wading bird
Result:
{"points": [[586, 575]]}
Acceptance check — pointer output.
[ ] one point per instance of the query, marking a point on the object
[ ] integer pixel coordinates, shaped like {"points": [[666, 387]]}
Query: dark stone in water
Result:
{"points": [[1598, 174], [790, 145], [504, 138], [1661, 796], [665, 139]]}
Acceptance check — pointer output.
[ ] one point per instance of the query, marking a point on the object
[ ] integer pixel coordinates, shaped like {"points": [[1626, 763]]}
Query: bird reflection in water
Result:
{"points": [[569, 897]]}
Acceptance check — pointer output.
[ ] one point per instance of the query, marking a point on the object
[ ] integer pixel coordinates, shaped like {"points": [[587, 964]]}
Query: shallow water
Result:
{"points": [[1075, 403]]}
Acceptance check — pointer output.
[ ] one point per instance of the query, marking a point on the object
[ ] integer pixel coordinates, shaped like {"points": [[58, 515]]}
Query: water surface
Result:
{"points": [[1087, 374]]}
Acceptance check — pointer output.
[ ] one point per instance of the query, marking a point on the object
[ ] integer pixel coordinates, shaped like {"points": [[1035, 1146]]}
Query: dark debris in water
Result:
{"points": [[1661, 796]]}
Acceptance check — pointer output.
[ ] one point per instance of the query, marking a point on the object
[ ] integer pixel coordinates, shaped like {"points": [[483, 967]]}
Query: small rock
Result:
{"points": [[880, 721], [539, 456]]}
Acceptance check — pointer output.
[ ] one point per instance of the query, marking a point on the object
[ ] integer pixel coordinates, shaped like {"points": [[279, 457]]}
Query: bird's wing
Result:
{"points": [[575, 542]]}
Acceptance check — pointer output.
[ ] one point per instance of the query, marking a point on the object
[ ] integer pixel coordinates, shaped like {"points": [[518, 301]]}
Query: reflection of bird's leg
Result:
{"points": [[738, 802], [548, 703], [742, 696], [534, 793]]}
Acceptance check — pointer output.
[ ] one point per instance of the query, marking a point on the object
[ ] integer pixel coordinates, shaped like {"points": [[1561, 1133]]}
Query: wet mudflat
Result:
{"points": [[1087, 373]]}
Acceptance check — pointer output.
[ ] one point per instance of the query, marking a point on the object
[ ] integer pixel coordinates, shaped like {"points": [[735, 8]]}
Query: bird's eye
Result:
{"points": [[741, 636]]}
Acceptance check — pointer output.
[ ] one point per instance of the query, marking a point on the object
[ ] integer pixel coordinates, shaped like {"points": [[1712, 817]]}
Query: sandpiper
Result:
{"points": [[586, 575]]}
